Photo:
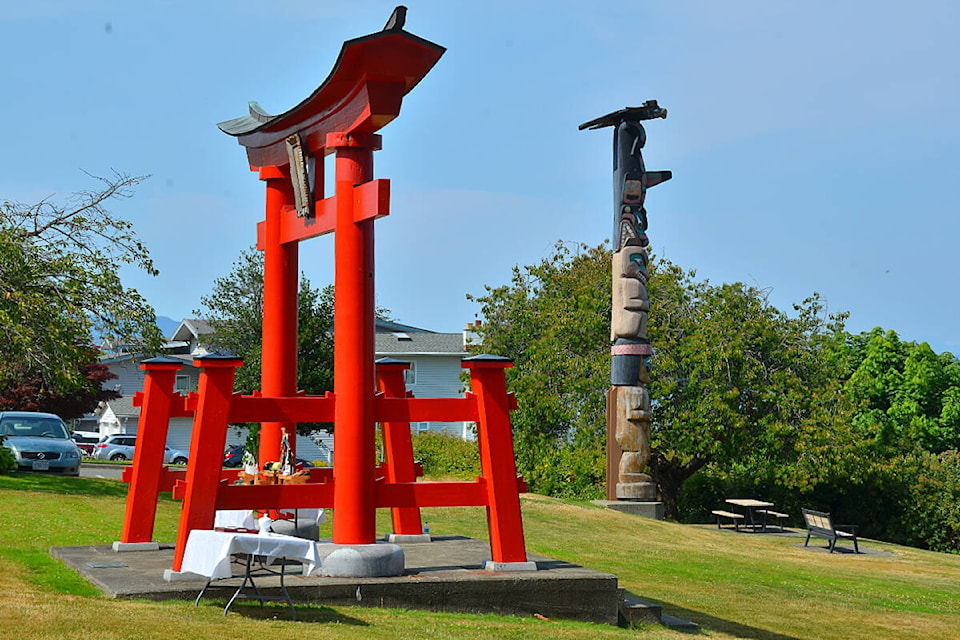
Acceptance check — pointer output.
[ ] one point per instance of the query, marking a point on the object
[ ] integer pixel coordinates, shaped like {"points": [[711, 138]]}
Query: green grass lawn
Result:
{"points": [[735, 585]]}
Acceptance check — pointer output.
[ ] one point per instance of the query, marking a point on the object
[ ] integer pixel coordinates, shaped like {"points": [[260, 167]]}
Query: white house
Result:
{"points": [[434, 367]]}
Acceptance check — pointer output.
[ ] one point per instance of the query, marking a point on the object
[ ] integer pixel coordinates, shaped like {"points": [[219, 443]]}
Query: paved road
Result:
{"points": [[88, 470]]}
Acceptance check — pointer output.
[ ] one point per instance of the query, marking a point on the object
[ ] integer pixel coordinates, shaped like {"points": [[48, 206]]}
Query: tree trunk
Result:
{"points": [[669, 475]]}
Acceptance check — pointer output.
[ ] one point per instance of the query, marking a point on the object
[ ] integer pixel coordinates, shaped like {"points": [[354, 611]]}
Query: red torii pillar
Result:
{"points": [[398, 445], [278, 359], [147, 469], [353, 350]]}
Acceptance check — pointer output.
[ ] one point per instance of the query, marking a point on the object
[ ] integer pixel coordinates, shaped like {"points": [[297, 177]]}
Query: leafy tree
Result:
{"points": [[907, 396], [734, 379], [730, 381], [60, 284], [553, 320], [234, 310], [933, 506], [30, 395]]}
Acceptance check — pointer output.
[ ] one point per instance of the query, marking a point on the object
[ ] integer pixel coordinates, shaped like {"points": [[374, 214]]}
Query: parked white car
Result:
{"points": [[120, 446]]}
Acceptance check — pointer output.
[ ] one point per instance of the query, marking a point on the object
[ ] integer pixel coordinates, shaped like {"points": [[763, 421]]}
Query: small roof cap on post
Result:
{"points": [[217, 359], [486, 360], [161, 362], [391, 361]]}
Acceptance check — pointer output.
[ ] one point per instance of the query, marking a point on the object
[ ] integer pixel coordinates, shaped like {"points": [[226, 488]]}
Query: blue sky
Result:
{"points": [[813, 145]]}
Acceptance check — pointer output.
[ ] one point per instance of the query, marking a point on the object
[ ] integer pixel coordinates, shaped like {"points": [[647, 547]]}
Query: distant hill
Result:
{"points": [[167, 325]]}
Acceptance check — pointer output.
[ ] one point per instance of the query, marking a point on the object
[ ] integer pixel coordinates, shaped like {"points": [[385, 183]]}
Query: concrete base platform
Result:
{"points": [[446, 574], [645, 509]]}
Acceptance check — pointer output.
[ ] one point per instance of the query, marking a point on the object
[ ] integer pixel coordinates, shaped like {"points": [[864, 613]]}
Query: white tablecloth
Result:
{"points": [[208, 552], [234, 519]]}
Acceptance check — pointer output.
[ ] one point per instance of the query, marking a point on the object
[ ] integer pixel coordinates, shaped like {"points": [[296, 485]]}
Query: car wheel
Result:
{"points": [[180, 460], [118, 456]]}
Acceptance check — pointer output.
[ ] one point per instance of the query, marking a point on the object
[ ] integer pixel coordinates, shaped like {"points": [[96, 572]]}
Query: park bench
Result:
{"points": [[734, 517], [820, 524], [769, 513]]}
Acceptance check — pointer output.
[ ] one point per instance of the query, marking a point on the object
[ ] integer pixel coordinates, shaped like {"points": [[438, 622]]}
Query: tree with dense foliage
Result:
{"points": [[60, 284], [553, 321], [907, 395], [234, 309], [735, 381], [730, 377], [747, 399]]}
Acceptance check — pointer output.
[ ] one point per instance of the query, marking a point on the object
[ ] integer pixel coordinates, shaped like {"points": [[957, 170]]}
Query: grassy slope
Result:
{"points": [[735, 585]]}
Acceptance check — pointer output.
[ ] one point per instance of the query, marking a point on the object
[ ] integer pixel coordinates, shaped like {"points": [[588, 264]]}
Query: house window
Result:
{"points": [[410, 375], [183, 384]]}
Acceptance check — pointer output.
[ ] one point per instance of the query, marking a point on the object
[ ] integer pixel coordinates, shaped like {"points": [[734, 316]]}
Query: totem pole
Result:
{"points": [[628, 402]]}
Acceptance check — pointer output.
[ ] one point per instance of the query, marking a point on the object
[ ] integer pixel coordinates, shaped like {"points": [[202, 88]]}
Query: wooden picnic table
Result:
{"points": [[749, 505]]}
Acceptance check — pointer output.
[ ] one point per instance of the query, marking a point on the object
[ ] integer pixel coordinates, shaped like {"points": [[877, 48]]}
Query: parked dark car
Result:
{"points": [[233, 457]]}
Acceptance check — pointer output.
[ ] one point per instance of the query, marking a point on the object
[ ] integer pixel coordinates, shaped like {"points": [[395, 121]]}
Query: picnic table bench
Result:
{"points": [[820, 524], [770, 513], [735, 517]]}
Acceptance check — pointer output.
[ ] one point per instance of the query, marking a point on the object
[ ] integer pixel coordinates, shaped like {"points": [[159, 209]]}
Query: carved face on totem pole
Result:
{"points": [[630, 301]]}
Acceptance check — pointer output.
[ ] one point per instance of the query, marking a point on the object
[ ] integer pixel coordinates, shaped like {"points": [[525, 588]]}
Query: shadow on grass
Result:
{"points": [[279, 611], [64, 485], [712, 623]]}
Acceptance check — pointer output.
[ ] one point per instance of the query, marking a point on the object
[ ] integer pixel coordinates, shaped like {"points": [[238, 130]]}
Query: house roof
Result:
{"points": [[391, 338], [122, 407], [137, 357], [389, 326], [191, 329], [424, 343]]}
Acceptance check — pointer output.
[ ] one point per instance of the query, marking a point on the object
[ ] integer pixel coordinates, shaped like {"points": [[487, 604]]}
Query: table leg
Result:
{"points": [[248, 577], [202, 591], [283, 589]]}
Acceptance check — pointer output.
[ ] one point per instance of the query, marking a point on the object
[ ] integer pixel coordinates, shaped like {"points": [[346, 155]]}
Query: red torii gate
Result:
{"points": [[362, 94]]}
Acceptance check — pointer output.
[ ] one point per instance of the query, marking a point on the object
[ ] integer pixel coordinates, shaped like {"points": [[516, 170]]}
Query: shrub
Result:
{"points": [[568, 470], [933, 510], [443, 455], [7, 461]]}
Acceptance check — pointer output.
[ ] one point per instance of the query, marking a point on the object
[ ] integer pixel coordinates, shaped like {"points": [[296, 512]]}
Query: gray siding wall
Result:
{"points": [[178, 433], [129, 377], [438, 377]]}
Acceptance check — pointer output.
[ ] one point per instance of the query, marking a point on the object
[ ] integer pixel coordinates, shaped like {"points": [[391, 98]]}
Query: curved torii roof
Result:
{"points": [[362, 94]]}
